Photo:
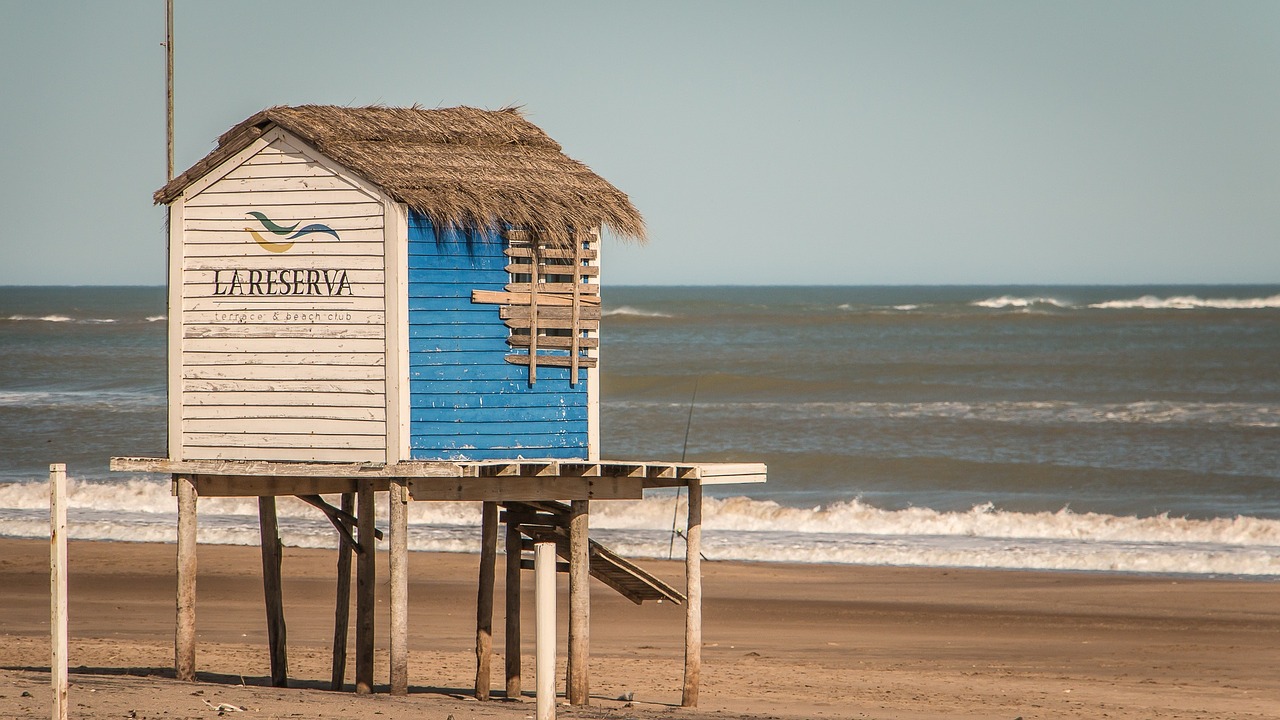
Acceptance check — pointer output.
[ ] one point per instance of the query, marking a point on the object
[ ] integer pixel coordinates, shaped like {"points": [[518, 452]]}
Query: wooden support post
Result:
{"points": [[342, 605], [184, 645], [58, 588], [578, 679], [399, 567], [366, 571], [544, 583], [693, 593], [484, 597], [272, 557], [512, 631]]}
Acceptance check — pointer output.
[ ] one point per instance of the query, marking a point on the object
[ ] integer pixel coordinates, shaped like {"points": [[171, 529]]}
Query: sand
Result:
{"points": [[781, 641]]}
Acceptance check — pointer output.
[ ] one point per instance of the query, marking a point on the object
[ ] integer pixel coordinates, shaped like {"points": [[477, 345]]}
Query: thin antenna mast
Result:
{"points": [[675, 510], [168, 86]]}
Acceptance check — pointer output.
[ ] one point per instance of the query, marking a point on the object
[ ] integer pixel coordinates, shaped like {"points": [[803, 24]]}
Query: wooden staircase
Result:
{"points": [[548, 521]]}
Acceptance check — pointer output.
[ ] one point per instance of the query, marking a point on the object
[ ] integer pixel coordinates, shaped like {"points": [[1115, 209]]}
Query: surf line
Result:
{"points": [[313, 282]]}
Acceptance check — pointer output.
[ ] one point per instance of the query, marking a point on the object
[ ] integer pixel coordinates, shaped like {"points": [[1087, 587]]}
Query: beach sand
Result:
{"points": [[781, 641]]}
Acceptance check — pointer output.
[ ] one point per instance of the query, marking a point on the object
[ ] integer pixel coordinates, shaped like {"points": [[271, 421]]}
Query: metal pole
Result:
{"points": [[544, 571], [58, 582], [168, 85]]}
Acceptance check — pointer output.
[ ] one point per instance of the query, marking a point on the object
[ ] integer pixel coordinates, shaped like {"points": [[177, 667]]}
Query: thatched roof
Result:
{"points": [[461, 167]]}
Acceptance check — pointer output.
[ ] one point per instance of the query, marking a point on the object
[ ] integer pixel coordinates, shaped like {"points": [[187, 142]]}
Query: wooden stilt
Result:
{"points": [[512, 630], [366, 571], [342, 605], [184, 645], [272, 557], [399, 567], [578, 674], [693, 592], [484, 597]]}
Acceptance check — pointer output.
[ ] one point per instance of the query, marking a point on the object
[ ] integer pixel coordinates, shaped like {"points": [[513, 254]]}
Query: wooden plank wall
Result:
{"points": [[467, 402], [268, 376]]}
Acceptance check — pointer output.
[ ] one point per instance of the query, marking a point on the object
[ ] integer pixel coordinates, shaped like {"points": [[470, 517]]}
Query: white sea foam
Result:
{"points": [[157, 318], [627, 310], [1168, 413], [1189, 302], [739, 528], [43, 318], [107, 399], [1011, 301]]}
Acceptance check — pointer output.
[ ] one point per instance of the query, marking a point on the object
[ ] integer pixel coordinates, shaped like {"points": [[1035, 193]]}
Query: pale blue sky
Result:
{"points": [[765, 143]]}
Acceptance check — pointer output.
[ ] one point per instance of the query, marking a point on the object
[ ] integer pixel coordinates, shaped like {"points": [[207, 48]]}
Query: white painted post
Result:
{"points": [[399, 568], [58, 586], [544, 572]]}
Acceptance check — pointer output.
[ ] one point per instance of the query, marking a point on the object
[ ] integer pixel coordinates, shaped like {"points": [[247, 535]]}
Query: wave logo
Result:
{"points": [[284, 232]]}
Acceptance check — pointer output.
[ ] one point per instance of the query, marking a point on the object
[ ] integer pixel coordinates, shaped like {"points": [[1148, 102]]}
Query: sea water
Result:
{"points": [[1131, 429]]}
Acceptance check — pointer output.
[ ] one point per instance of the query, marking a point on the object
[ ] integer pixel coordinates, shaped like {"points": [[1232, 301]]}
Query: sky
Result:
{"points": [[766, 143]]}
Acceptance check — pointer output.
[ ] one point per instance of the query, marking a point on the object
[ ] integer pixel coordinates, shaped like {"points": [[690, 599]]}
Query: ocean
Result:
{"points": [[1125, 429]]}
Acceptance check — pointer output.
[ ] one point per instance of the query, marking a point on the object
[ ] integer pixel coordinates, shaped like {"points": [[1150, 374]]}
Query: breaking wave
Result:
{"points": [[628, 311], [735, 528]]}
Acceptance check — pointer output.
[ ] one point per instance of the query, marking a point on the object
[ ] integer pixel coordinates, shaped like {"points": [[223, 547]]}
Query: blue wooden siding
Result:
{"points": [[466, 401]]}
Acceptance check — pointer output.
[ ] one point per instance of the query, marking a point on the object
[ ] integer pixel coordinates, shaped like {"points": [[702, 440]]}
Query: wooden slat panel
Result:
{"points": [[287, 331], [276, 344], [549, 269], [554, 323], [325, 212], [551, 299], [280, 166], [525, 488], [280, 441], [327, 317], [521, 312], [311, 454], [557, 253], [551, 360], [282, 399], [241, 246], [249, 181], [274, 426], [198, 229], [236, 486], [284, 359], [357, 387], [565, 288], [216, 197], [283, 412], [555, 342], [284, 372]]}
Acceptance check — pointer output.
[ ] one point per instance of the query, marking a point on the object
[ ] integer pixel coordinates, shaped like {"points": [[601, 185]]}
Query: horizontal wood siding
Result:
{"points": [[466, 401], [283, 353]]}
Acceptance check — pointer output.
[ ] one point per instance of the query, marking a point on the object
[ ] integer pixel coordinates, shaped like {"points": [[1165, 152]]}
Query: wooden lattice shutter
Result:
{"points": [[552, 304]]}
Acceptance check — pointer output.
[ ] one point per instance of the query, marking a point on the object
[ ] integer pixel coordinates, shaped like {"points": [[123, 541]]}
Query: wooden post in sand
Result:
{"points": [[58, 587], [578, 674], [693, 602], [366, 570], [272, 557], [399, 568], [511, 634], [342, 606], [484, 597], [184, 646]]}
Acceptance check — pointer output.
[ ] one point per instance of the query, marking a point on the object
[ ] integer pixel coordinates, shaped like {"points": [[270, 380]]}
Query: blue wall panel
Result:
{"points": [[467, 402]]}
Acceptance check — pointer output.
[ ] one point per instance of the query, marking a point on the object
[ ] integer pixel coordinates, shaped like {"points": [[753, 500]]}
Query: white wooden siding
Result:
{"points": [[273, 371]]}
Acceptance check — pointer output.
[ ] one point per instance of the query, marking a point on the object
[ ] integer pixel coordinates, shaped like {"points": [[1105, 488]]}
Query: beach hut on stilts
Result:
{"points": [[405, 303]]}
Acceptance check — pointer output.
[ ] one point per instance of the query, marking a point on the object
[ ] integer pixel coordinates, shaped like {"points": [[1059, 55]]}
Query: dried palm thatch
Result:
{"points": [[461, 167]]}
